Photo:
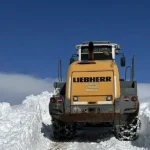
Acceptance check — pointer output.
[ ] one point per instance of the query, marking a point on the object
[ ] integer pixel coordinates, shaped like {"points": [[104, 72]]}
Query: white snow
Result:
{"points": [[28, 127], [20, 127]]}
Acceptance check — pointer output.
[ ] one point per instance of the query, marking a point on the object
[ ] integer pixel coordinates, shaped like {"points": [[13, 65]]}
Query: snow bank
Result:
{"points": [[28, 127], [20, 127], [144, 138]]}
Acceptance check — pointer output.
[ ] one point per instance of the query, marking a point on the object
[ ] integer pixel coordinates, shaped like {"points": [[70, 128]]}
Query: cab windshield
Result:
{"points": [[98, 53]]}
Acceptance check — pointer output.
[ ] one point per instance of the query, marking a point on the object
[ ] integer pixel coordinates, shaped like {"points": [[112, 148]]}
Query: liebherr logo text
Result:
{"points": [[92, 79]]}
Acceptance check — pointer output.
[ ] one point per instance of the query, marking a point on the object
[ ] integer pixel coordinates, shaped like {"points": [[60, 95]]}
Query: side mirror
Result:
{"points": [[123, 61], [71, 60]]}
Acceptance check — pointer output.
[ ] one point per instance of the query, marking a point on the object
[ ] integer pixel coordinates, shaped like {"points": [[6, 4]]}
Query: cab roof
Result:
{"points": [[96, 43]]}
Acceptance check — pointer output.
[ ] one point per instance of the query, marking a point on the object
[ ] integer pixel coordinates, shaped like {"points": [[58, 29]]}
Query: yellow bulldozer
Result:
{"points": [[94, 93]]}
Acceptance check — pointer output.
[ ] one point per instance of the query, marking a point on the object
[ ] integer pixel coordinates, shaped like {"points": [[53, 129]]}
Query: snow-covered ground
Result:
{"points": [[28, 127]]}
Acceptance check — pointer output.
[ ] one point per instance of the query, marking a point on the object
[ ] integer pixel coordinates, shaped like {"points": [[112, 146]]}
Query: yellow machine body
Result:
{"points": [[92, 82]]}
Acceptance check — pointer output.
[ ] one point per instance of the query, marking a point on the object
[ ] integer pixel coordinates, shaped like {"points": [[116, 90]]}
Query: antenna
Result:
{"points": [[133, 60], [59, 70]]}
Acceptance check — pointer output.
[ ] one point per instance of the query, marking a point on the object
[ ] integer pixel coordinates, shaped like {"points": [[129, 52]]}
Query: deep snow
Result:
{"points": [[20, 126], [28, 127]]}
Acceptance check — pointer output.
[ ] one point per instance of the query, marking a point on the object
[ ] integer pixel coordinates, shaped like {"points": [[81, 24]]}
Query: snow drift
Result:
{"points": [[20, 126], [28, 127]]}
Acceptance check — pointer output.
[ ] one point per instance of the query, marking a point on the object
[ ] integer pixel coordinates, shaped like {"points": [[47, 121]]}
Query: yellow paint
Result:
{"points": [[97, 91]]}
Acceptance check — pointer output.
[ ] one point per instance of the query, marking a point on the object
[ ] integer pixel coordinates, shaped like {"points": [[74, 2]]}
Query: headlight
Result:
{"points": [[75, 98], [108, 98]]}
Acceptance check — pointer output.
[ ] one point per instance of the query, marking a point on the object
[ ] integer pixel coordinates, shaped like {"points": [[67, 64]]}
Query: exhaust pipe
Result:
{"points": [[91, 53]]}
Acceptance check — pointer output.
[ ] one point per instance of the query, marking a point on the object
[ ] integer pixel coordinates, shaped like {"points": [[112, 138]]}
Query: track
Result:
{"points": [[90, 138]]}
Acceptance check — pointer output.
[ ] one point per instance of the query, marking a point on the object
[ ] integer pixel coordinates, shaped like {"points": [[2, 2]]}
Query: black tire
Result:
{"points": [[62, 130], [128, 132]]}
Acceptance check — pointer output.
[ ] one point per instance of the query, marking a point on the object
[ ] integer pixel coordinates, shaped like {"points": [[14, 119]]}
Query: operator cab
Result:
{"points": [[102, 50]]}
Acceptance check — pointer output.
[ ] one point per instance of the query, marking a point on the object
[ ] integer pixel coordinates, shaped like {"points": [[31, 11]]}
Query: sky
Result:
{"points": [[34, 33]]}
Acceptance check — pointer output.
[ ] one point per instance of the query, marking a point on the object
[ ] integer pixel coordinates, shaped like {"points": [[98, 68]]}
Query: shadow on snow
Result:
{"points": [[88, 134], [94, 135]]}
